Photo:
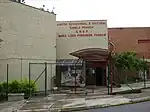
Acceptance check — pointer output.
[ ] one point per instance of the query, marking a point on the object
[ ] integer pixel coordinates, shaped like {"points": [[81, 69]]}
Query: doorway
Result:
{"points": [[100, 76]]}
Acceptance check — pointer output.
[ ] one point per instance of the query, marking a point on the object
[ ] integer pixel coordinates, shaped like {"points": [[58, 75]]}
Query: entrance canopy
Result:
{"points": [[69, 62], [92, 54]]}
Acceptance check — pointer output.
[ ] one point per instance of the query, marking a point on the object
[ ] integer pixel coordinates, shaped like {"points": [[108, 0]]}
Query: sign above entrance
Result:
{"points": [[73, 36], [78, 29]]}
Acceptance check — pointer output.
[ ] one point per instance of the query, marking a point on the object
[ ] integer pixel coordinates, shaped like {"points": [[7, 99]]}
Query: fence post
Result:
{"points": [[144, 75], [108, 78], [45, 78], [144, 79], [51, 79], [84, 72], [111, 77], [7, 80], [21, 69], [75, 89], [29, 79]]}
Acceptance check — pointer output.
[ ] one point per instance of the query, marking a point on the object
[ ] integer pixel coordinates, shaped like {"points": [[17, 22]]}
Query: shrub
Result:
{"points": [[17, 87], [3, 88], [26, 87]]}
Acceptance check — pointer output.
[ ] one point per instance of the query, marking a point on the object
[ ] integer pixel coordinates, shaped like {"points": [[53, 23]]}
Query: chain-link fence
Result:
{"points": [[43, 76], [11, 73], [66, 74], [17, 71], [46, 75], [131, 79], [4, 78]]}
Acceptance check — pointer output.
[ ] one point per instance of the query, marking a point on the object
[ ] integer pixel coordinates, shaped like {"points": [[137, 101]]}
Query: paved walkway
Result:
{"points": [[55, 102], [63, 101], [139, 85], [10, 106]]}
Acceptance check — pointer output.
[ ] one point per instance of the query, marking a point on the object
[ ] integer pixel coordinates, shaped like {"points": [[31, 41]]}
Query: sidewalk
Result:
{"points": [[70, 102], [139, 85], [10, 106], [65, 102]]}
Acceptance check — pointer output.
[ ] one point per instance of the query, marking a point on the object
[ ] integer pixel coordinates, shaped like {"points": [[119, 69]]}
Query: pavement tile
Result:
{"points": [[10, 106]]}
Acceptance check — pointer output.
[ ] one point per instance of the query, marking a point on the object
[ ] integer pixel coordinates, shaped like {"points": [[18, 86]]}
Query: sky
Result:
{"points": [[118, 13]]}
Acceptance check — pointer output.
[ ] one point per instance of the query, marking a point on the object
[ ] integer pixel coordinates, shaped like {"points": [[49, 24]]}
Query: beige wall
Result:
{"points": [[27, 33], [67, 44]]}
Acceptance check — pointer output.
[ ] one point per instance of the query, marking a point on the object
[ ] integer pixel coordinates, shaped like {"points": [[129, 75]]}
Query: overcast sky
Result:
{"points": [[118, 13]]}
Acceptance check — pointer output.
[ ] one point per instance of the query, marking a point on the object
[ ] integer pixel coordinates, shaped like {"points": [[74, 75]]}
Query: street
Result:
{"points": [[139, 107]]}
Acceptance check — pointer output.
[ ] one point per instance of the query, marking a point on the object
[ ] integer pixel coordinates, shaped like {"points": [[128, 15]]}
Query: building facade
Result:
{"points": [[27, 35], [132, 39], [84, 40]]}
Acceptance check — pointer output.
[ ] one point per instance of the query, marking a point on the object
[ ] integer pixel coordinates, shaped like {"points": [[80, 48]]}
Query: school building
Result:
{"points": [[75, 51]]}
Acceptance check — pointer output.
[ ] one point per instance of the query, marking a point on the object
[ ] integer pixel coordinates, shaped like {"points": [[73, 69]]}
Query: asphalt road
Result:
{"points": [[139, 107]]}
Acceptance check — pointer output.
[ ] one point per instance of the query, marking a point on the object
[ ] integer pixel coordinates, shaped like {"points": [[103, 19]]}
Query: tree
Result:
{"points": [[129, 61]]}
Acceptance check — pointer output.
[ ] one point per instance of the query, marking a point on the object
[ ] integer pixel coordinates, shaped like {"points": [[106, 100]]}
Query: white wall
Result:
{"points": [[66, 45], [27, 33]]}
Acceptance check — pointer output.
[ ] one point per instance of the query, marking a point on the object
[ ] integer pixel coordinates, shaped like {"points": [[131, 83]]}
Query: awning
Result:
{"points": [[69, 62], [92, 54]]}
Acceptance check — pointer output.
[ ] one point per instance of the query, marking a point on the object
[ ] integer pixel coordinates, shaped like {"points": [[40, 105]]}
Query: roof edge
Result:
{"points": [[82, 20], [32, 7], [127, 27]]}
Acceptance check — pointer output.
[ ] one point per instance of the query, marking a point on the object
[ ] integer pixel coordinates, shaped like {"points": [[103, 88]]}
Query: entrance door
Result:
{"points": [[97, 78], [100, 76]]}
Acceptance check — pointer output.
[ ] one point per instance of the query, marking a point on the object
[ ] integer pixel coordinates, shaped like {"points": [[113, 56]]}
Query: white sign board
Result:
{"points": [[77, 35], [79, 29]]}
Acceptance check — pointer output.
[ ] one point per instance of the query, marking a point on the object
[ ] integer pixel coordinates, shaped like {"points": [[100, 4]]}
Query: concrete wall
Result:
{"points": [[27, 35], [69, 44]]}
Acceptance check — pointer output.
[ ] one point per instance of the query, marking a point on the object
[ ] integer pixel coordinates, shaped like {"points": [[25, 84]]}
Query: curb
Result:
{"points": [[128, 91], [90, 107], [138, 100], [133, 101], [34, 110]]}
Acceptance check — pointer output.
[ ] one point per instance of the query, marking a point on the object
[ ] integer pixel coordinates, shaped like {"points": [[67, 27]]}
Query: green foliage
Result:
{"points": [[18, 87], [129, 61], [26, 86], [3, 87], [15, 86], [143, 65]]}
